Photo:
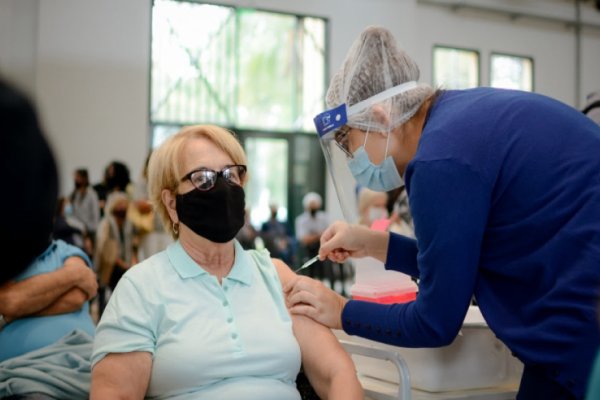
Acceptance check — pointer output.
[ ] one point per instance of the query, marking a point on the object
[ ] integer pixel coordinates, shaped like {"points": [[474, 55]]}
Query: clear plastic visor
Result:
{"points": [[336, 157]]}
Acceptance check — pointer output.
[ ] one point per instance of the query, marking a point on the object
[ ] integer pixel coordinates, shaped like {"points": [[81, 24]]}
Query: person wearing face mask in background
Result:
{"points": [[373, 212], [504, 191], [276, 237], [206, 319], [371, 206], [84, 202], [309, 227], [116, 245]]}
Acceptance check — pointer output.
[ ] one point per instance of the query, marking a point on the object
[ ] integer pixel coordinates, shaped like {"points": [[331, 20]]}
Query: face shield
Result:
{"points": [[333, 126]]}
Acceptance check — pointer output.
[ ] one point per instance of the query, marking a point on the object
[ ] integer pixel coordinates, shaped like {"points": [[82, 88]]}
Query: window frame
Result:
{"points": [[295, 190]]}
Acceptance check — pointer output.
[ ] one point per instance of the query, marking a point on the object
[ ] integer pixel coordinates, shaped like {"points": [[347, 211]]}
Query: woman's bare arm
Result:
{"points": [[121, 376], [328, 367]]}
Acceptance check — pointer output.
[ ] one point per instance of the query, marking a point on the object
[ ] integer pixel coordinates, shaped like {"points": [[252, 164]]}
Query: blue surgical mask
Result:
{"points": [[68, 210], [380, 178]]}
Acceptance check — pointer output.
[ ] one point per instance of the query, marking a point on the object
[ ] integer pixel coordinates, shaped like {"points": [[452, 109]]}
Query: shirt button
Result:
{"points": [[230, 319], [234, 335], [225, 303], [226, 288]]}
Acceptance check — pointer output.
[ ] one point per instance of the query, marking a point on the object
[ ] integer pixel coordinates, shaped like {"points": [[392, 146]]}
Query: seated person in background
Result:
{"points": [[116, 241], [309, 227], [275, 236], [206, 319], [30, 180], [247, 234], [84, 202], [45, 326], [371, 206], [70, 229], [152, 235], [116, 245]]}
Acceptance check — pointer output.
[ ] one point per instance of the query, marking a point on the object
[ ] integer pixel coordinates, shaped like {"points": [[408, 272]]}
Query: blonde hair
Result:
{"points": [[165, 168], [366, 198], [113, 199]]}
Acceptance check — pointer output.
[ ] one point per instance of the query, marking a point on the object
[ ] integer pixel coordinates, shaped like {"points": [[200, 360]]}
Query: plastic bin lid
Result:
{"points": [[382, 290]]}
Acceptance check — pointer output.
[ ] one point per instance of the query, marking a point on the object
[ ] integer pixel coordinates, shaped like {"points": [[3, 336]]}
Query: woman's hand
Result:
{"points": [[341, 240], [306, 296]]}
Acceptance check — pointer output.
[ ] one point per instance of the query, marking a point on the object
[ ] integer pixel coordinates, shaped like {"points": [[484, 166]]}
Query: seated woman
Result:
{"points": [[206, 319]]}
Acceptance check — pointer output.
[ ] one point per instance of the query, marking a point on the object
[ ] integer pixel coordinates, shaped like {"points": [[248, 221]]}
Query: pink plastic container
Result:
{"points": [[399, 292]]}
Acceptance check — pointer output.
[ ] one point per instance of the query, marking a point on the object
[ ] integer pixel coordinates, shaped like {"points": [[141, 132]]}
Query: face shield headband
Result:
{"points": [[328, 126]]}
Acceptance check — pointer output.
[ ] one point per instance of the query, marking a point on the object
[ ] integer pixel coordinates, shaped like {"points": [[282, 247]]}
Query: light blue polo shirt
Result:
{"points": [[208, 340], [32, 333]]}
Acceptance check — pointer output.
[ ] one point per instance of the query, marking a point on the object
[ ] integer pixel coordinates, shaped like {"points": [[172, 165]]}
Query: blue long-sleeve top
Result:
{"points": [[504, 190]]}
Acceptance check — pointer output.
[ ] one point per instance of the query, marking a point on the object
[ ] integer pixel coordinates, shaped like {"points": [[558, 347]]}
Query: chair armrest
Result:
{"points": [[404, 392]]}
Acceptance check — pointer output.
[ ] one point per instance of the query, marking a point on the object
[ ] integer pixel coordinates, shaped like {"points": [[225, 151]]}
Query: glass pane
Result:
{"points": [[455, 68], [267, 88], [268, 183], [193, 67], [161, 132], [511, 72], [236, 67]]}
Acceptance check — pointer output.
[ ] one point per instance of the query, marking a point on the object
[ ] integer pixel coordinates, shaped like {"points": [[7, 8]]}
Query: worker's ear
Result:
{"points": [[381, 115]]}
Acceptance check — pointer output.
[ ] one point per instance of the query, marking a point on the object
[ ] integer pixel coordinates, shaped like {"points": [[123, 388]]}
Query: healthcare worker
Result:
{"points": [[504, 189]]}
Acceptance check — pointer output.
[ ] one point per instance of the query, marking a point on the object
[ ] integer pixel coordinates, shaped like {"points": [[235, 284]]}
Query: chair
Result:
{"points": [[307, 392], [370, 386]]}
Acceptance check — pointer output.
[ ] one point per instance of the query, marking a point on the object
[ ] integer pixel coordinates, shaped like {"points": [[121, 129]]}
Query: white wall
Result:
{"points": [[92, 82], [87, 61], [18, 42]]}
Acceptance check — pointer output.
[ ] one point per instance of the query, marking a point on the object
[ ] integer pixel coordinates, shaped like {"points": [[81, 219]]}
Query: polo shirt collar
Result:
{"points": [[186, 267], [242, 266]]}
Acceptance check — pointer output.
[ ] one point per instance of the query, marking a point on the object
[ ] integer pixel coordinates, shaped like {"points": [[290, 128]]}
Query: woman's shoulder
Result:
{"points": [[152, 269], [261, 258], [270, 267]]}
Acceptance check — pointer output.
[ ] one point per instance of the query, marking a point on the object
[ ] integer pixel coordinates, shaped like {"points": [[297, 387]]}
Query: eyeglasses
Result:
{"points": [[204, 179], [341, 139]]}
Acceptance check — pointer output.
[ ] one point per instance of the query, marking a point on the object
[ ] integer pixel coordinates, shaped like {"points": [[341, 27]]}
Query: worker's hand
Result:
{"points": [[306, 296], [85, 277], [342, 240]]}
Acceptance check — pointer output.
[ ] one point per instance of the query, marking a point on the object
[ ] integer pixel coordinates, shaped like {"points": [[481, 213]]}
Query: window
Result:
{"points": [[235, 67], [260, 74], [455, 68], [511, 72], [264, 186]]}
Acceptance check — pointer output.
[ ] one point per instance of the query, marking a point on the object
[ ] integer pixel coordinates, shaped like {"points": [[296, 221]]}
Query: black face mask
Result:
{"points": [[217, 214], [78, 185], [313, 212], [121, 214]]}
